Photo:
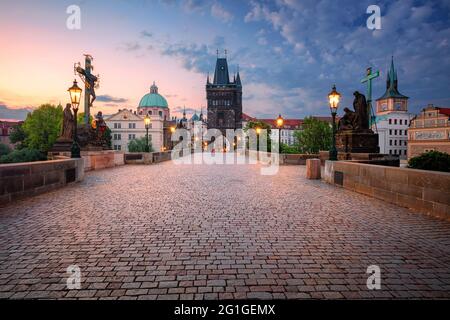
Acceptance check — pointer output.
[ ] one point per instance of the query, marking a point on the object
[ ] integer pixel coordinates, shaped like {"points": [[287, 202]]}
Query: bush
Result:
{"points": [[432, 160], [4, 149], [23, 155], [289, 149], [138, 145]]}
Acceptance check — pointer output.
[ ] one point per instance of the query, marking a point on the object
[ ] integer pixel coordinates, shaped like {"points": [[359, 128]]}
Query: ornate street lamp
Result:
{"points": [[147, 121], [75, 96], [280, 122], [333, 98]]}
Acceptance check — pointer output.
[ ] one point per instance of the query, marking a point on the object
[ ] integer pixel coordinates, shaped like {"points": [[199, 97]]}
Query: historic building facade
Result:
{"points": [[6, 127], [127, 125], [224, 99], [430, 130], [392, 118]]}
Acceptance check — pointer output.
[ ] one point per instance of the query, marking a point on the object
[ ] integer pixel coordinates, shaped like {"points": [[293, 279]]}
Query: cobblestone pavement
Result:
{"points": [[217, 232]]}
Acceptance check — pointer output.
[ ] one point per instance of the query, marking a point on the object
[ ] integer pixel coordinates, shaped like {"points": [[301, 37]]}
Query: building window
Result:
{"points": [[117, 125], [117, 147], [401, 121], [390, 142], [160, 113], [132, 126], [395, 121], [395, 132], [131, 136], [390, 121], [390, 132], [117, 136], [395, 142]]}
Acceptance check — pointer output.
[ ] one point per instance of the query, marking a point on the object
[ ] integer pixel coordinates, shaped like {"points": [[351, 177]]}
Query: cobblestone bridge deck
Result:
{"points": [[220, 231]]}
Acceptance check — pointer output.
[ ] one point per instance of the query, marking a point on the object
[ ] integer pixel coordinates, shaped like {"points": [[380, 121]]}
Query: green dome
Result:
{"points": [[153, 99]]}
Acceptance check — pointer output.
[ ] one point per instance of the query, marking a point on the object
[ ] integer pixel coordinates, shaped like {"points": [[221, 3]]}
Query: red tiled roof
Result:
{"points": [[445, 111], [246, 117]]}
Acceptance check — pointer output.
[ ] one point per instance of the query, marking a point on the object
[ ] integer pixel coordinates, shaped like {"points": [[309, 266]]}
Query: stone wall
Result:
{"points": [[147, 157], [96, 160], [285, 158], [20, 180], [420, 190]]}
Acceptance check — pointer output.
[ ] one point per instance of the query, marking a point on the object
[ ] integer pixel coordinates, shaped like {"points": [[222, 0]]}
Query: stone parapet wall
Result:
{"points": [[96, 160], [21, 180], [147, 157], [424, 191]]}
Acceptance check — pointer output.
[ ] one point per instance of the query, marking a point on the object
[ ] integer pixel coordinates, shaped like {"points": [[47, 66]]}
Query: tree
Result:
{"points": [[263, 126], [42, 127], [315, 136], [138, 145], [18, 137], [4, 149], [108, 136], [80, 118]]}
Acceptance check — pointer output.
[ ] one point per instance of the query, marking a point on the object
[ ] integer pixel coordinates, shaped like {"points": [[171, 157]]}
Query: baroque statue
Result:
{"points": [[357, 120], [68, 123]]}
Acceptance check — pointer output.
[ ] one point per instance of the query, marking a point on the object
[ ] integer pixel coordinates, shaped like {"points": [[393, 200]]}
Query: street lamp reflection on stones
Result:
{"points": [[75, 96], [333, 98], [147, 121], [280, 122]]}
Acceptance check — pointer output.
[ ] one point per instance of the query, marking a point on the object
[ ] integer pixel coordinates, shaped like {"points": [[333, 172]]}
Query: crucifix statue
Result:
{"points": [[90, 83], [368, 78]]}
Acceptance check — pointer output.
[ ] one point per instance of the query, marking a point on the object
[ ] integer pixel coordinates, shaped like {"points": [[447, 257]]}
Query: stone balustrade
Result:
{"points": [[20, 180], [420, 190]]}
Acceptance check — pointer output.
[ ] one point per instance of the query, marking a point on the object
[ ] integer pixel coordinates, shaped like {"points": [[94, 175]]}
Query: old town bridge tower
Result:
{"points": [[224, 98]]}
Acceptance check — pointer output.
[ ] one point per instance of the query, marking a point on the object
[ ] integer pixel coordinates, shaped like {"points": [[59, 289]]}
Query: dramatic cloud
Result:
{"points": [[13, 113], [189, 111], [221, 13], [110, 99]]}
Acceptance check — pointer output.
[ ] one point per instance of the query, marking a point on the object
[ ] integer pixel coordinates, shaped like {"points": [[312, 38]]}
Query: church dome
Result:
{"points": [[195, 117], [153, 99]]}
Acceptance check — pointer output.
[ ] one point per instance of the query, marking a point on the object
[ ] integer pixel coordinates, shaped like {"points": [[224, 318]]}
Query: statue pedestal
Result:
{"points": [[357, 142], [62, 145]]}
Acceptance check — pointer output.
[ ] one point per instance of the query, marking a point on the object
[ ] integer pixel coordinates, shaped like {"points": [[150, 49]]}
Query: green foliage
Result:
{"points": [[4, 149], [42, 127], [80, 118], [262, 126], [289, 149], [18, 137], [23, 155], [316, 135], [108, 136], [138, 145], [432, 160]]}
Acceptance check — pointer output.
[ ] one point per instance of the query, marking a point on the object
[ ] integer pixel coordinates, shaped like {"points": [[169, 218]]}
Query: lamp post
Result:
{"points": [[147, 126], [258, 131], [333, 98], [280, 122], [75, 95], [172, 131]]}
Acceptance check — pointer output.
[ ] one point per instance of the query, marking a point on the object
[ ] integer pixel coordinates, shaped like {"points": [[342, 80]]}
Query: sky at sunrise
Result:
{"points": [[289, 52]]}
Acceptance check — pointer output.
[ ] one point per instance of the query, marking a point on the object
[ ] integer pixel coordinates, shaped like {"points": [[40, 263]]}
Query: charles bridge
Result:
{"points": [[167, 231]]}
